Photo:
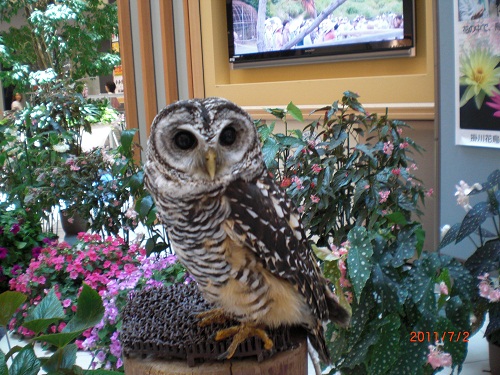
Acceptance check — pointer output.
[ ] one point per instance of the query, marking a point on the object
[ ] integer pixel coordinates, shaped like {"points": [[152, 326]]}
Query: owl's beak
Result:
{"points": [[211, 160]]}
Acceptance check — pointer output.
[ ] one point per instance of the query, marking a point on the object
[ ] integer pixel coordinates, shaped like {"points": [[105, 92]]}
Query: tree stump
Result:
{"points": [[291, 362], [160, 335]]}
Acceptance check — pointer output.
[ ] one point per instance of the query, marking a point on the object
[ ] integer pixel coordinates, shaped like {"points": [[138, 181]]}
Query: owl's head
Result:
{"points": [[203, 141]]}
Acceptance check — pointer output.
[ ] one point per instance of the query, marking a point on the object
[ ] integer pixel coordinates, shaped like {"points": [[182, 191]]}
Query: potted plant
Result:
{"points": [[481, 224], [351, 176]]}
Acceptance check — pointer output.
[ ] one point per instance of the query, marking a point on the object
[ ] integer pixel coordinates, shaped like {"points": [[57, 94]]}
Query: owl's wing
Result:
{"points": [[264, 219]]}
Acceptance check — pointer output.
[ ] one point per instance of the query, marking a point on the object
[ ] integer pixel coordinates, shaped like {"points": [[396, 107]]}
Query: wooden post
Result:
{"points": [[291, 362]]}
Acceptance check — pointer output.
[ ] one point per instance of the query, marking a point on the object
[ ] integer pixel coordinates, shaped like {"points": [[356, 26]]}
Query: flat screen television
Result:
{"points": [[310, 31]]}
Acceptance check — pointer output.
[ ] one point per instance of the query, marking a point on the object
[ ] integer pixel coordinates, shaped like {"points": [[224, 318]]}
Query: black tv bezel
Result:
{"points": [[345, 52]]}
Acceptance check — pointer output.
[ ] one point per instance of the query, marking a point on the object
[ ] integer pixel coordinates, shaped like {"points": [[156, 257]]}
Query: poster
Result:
{"points": [[477, 56]]}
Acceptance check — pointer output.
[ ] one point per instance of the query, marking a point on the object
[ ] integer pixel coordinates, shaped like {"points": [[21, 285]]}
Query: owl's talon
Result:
{"points": [[213, 316], [240, 334]]}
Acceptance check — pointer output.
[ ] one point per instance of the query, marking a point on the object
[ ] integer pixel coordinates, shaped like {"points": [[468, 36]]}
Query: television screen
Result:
{"points": [[302, 31]]}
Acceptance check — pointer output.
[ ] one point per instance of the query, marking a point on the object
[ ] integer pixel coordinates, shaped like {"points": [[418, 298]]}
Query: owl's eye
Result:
{"points": [[185, 140], [227, 136]]}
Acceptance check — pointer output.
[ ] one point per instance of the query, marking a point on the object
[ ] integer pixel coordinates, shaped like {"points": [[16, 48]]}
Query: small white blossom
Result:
{"points": [[445, 230], [61, 147], [462, 195]]}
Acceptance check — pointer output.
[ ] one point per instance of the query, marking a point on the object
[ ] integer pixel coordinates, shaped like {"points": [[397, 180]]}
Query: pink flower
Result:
{"points": [[384, 195], [396, 171], [315, 198], [74, 167], [443, 288], [437, 358], [388, 148], [494, 295], [429, 193], [484, 289], [316, 168], [495, 104], [66, 303], [404, 145], [3, 252], [298, 182]]}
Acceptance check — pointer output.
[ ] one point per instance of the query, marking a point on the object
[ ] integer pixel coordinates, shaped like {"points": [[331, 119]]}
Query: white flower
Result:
{"points": [[131, 213], [61, 147], [445, 230], [462, 195]]}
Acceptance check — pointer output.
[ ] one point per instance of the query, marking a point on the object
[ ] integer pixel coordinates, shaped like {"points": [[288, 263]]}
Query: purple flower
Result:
{"points": [[3, 252], [35, 252], [15, 228], [15, 268]]}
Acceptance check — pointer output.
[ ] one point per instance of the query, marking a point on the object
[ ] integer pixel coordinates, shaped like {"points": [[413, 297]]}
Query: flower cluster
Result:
{"points": [[110, 266], [488, 288], [437, 357]]}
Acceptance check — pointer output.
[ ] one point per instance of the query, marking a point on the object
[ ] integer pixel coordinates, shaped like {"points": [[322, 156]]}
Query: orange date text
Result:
{"points": [[428, 336]]}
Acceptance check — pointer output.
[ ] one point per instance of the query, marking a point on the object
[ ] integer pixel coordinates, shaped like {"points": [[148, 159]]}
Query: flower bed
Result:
{"points": [[111, 267]]}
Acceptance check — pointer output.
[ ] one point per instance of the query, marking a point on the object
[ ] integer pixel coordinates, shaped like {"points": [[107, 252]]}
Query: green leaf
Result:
{"points": [[3, 364], [386, 350], [450, 236], [388, 290], [485, 259], [421, 283], [126, 140], [358, 352], [276, 112], [63, 358], [474, 218], [90, 311], [9, 303], [25, 362], [47, 312], [359, 258], [405, 246], [295, 112], [397, 218], [270, 149], [59, 340], [145, 206]]}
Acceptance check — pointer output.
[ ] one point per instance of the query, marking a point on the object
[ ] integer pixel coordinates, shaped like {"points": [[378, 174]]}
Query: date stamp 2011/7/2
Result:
{"points": [[432, 337]]}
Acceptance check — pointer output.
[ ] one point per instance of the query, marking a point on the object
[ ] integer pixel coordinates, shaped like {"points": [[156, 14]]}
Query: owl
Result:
{"points": [[232, 227]]}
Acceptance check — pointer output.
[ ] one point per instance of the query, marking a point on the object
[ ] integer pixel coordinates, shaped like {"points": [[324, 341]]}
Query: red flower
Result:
{"points": [[287, 181]]}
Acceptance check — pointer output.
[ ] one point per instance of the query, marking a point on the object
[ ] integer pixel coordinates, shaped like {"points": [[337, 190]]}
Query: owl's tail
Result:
{"points": [[316, 338], [336, 314]]}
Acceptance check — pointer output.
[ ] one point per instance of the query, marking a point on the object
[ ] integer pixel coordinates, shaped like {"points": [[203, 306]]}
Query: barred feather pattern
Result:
{"points": [[236, 232]]}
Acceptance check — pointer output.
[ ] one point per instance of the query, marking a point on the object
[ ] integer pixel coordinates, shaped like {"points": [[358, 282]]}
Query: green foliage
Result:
{"points": [[63, 38], [24, 361], [358, 165], [481, 224], [350, 173]]}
